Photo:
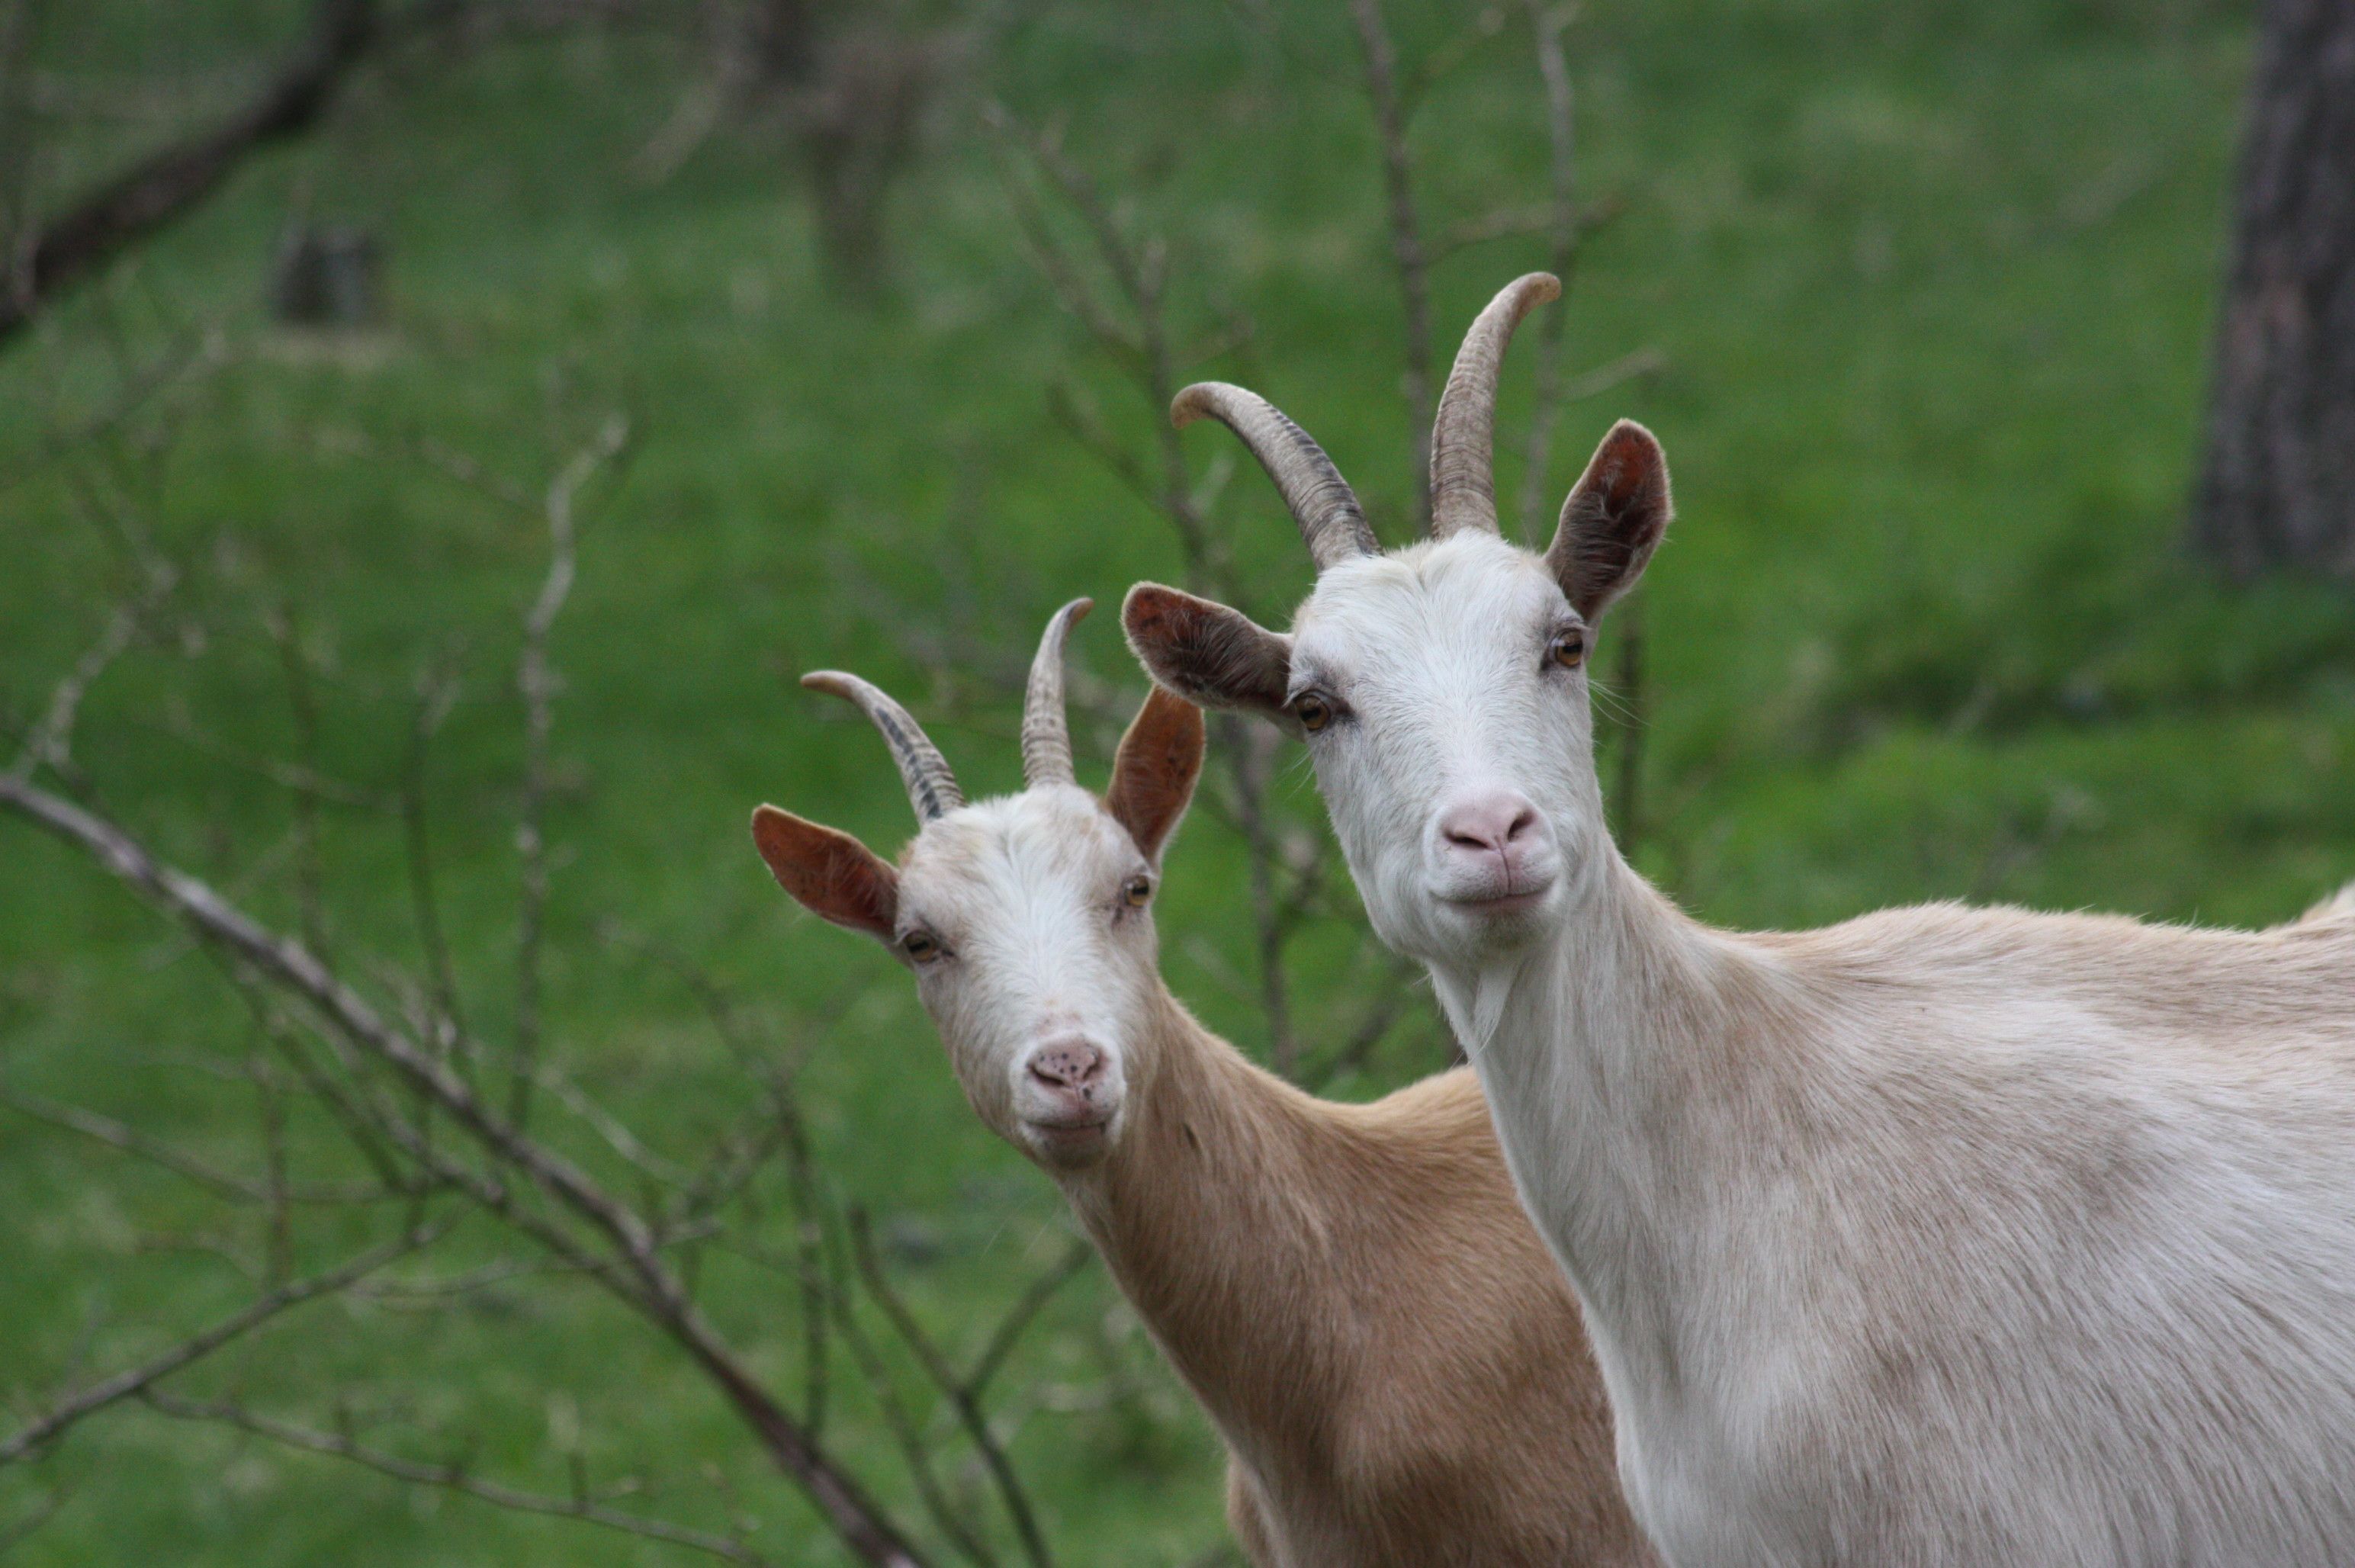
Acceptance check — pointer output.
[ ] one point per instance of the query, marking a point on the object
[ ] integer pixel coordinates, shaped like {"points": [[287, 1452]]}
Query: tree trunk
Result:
{"points": [[2278, 489]]}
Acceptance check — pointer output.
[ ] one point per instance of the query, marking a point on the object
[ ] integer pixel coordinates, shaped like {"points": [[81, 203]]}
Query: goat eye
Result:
{"points": [[1568, 649], [1138, 892], [1313, 711], [920, 945]]}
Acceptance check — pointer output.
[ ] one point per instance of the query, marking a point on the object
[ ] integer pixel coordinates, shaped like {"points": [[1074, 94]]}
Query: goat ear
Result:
{"points": [[1612, 520], [1207, 653], [829, 872], [1153, 776]]}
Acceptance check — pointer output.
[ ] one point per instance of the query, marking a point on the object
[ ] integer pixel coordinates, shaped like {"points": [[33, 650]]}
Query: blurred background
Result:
{"points": [[434, 436]]}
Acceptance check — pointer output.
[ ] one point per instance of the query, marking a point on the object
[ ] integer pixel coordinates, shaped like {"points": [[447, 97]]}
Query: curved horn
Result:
{"points": [[932, 788], [1046, 733], [1332, 524], [1462, 438]]}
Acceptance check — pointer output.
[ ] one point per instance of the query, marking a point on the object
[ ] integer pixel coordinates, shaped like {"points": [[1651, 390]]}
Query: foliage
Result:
{"points": [[1930, 283]]}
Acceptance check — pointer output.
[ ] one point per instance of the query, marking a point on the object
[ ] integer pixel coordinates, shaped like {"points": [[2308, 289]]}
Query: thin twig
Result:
{"points": [[19, 1531], [166, 185], [1545, 24], [437, 691], [537, 683], [1381, 1014], [1019, 1318], [1407, 248], [117, 1134], [450, 1477], [907, 1433], [963, 1398], [1146, 351], [1629, 366], [133, 1380], [310, 866], [350, 1021], [49, 743], [1512, 223], [1251, 748]]}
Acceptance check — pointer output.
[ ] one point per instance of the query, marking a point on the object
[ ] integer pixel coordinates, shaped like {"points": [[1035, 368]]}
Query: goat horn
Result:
{"points": [[1462, 438], [932, 788], [1046, 733], [1332, 524]]}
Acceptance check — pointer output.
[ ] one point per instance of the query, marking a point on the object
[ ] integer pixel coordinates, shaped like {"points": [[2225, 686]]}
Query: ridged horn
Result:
{"points": [[931, 787], [1332, 524], [1046, 733], [1462, 438]]}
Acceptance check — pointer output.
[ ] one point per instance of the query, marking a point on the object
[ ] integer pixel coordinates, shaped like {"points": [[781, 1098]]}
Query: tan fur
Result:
{"points": [[1398, 1370], [1356, 1298]]}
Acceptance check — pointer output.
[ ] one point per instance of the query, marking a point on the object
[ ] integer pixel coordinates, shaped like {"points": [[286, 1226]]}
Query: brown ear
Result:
{"points": [[829, 872], [1612, 520], [1207, 653], [1153, 776]]}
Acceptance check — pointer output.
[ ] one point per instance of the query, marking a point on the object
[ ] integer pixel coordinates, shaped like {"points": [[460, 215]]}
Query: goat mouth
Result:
{"points": [[1068, 1131], [1492, 906]]}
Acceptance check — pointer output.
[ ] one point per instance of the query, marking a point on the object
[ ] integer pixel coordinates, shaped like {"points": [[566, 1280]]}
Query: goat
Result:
{"points": [[1944, 1237], [1351, 1292]]}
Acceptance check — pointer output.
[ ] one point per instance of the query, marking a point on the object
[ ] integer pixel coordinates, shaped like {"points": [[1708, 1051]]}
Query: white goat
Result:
{"points": [[1944, 1237], [1351, 1291]]}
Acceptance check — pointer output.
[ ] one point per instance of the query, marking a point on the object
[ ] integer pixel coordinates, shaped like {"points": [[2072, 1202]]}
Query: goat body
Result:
{"points": [[1358, 1300], [1949, 1237], [1940, 1239]]}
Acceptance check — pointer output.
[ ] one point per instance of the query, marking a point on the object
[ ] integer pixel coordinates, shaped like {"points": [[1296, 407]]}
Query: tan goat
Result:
{"points": [[1352, 1293]]}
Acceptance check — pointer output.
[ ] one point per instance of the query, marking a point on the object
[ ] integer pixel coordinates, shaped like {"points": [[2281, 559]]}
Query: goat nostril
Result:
{"points": [[1068, 1066], [1489, 825]]}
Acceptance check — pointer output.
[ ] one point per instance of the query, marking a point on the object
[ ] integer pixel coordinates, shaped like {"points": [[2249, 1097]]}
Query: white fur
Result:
{"points": [[1026, 896], [1945, 1237]]}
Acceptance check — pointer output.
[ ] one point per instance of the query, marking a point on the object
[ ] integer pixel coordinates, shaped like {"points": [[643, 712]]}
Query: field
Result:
{"points": [[1928, 288]]}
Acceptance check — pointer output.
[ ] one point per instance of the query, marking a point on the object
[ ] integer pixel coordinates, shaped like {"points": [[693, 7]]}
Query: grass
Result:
{"points": [[1932, 281]]}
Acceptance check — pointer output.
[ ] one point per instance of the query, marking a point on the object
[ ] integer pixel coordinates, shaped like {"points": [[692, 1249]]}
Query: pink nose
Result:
{"points": [[1068, 1064], [1498, 823]]}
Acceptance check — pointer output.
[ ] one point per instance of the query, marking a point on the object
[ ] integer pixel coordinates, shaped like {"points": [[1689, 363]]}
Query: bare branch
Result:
{"points": [[1138, 272], [1254, 764], [451, 1477], [169, 184], [17, 1532], [961, 1394], [1389, 1005], [1511, 223], [536, 682], [50, 742], [133, 1380], [1000, 1344], [907, 1433], [310, 865], [116, 1135], [1406, 234], [301, 780], [1442, 62], [437, 692], [344, 1017], [1630, 367], [1546, 25]]}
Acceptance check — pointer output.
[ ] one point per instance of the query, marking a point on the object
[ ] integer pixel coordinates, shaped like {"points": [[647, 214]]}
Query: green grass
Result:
{"points": [[1934, 283]]}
